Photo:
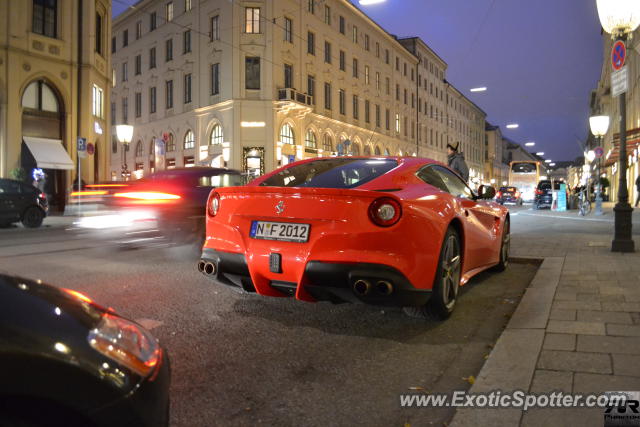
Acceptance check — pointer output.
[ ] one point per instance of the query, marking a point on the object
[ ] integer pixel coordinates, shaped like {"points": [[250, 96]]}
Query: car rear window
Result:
{"points": [[222, 180], [331, 173], [511, 189], [545, 186]]}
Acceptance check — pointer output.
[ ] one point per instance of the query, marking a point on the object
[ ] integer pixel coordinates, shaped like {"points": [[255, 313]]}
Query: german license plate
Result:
{"points": [[284, 231]]}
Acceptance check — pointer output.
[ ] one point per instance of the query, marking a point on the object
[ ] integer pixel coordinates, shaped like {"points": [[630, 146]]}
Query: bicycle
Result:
{"points": [[584, 204]]}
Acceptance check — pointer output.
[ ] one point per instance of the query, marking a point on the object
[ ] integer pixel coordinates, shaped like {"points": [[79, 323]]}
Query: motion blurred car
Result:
{"points": [[391, 231], [544, 194], [168, 206], [67, 361], [21, 202], [509, 196]]}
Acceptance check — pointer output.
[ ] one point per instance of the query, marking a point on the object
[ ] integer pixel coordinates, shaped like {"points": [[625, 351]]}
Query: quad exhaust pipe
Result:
{"points": [[384, 287], [363, 287], [207, 268]]}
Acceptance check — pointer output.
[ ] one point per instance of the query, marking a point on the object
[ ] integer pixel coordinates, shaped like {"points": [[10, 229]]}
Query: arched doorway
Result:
{"points": [[43, 154]]}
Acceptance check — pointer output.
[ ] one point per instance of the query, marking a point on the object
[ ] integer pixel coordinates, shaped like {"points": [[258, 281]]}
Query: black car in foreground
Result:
{"points": [[544, 194], [21, 202], [509, 195], [66, 361]]}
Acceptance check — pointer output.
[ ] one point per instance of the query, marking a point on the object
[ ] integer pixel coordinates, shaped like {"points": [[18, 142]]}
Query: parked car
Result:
{"points": [[21, 202], [509, 196], [544, 195], [167, 206], [67, 361], [391, 231]]}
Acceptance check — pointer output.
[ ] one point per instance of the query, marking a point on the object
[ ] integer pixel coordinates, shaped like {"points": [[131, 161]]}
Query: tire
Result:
{"points": [[446, 284], [505, 246], [32, 217]]}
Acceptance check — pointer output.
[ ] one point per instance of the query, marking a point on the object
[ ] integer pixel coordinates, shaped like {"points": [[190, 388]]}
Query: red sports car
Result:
{"points": [[390, 231]]}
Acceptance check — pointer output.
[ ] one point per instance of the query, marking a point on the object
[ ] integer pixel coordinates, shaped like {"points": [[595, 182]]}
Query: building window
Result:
{"points": [[327, 96], [152, 99], [355, 34], [327, 143], [171, 144], [342, 101], [366, 42], [168, 50], [286, 134], [214, 28], [387, 119], [186, 42], [99, 34], [377, 81], [125, 110], [388, 85], [397, 92], [252, 20], [288, 75], [405, 126], [311, 87], [45, 17], [366, 74], [310, 140], [327, 52], [311, 43], [187, 5], [343, 60], [397, 64], [98, 101], [125, 38], [139, 149], [377, 50], [288, 30], [327, 15], [189, 140], [138, 65], [355, 107], [367, 117], [377, 116], [252, 72], [215, 79], [138, 104], [342, 25], [405, 97], [397, 123], [138, 30], [217, 137], [404, 69], [153, 21], [152, 58], [168, 12], [386, 56], [187, 88], [355, 68], [169, 94], [113, 45], [113, 113], [311, 7], [125, 72]]}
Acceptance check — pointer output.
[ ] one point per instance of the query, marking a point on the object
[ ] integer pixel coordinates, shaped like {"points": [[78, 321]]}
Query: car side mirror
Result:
{"points": [[486, 192]]}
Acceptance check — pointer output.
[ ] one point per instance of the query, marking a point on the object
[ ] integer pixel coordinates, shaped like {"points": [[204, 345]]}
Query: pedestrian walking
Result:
{"points": [[456, 161]]}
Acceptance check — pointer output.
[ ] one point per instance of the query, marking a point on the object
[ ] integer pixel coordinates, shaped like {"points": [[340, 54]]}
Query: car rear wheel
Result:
{"points": [[505, 246], [32, 217], [446, 284]]}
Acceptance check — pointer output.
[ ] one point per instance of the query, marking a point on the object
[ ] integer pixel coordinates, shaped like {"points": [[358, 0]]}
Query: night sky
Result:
{"points": [[539, 60]]}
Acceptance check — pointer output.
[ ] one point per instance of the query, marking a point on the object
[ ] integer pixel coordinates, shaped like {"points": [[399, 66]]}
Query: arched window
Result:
{"points": [[355, 149], [152, 146], [377, 150], [386, 152], [171, 144], [327, 143], [310, 139], [139, 149], [367, 150], [40, 96], [189, 140], [286, 134], [217, 137]]}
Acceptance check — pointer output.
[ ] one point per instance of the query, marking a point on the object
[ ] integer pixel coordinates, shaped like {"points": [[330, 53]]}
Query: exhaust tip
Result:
{"points": [[384, 287], [209, 269], [361, 287], [201, 265]]}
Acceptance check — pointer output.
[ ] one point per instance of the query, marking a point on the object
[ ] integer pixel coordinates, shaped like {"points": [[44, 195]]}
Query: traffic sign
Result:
{"points": [[619, 82], [82, 147], [599, 152], [91, 149], [618, 54]]}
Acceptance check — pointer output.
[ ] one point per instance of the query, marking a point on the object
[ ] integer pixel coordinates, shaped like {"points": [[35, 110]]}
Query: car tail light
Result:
{"points": [[89, 193], [517, 194], [42, 196], [213, 204], [148, 197], [538, 192], [385, 211], [499, 195]]}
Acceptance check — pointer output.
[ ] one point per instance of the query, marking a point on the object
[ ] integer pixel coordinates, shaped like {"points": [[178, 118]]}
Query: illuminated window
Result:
{"points": [[217, 136], [327, 143], [286, 134], [189, 140], [98, 101], [310, 139], [252, 20], [139, 149]]}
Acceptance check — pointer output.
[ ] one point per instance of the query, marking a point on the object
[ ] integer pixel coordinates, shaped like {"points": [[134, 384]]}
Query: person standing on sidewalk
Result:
{"points": [[456, 161], [637, 190]]}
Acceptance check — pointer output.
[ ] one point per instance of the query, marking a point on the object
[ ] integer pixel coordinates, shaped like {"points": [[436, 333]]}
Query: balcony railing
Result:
{"points": [[289, 94]]}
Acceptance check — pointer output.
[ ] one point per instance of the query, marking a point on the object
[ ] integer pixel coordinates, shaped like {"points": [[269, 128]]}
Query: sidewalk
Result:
{"points": [[577, 327]]}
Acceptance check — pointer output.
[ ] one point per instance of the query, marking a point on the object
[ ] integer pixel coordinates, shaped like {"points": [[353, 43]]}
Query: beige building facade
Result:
{"points": [[495, 157], [54, 80], [257, 84]]}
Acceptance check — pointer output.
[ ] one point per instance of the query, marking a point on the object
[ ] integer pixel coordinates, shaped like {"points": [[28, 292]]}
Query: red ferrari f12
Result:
{"points": [[389, 231]]}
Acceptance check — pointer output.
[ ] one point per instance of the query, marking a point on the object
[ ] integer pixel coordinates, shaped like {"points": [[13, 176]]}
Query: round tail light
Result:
{"points": [[213, 205], [385, 211]]}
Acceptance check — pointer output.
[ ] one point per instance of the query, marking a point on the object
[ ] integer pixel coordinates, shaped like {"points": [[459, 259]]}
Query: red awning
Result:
{"points": [[633, 142]]}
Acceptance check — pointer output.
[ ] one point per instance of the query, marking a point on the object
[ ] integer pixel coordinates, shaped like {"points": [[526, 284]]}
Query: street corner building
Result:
{"points": [[54, 79], [254, 85]]}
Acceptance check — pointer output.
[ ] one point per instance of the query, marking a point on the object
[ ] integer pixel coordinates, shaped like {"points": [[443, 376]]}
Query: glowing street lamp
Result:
{"points": [[530, 144], [599, 127], [124, 133], [540, 153], [513, 126], [478, 89], [620, 18]]}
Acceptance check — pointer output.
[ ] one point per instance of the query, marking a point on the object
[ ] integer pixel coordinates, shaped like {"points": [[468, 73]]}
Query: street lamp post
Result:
{"points": [[599, 126], [125, 135], [620, 18]]}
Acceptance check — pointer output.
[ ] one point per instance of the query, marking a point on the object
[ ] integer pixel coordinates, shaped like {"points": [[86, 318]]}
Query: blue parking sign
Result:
{"points": [[82, 144]]}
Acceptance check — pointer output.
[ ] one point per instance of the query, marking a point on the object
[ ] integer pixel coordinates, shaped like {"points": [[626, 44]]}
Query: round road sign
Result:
{"points": [[91, 149], [618, 55], [599, 152]]}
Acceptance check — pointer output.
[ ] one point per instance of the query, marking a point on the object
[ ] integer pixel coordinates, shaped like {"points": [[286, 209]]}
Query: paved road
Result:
{"points": [[246, 360]]}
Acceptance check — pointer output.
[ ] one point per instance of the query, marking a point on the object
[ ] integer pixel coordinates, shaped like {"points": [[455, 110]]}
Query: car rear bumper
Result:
{"points": [[367, 283]]}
